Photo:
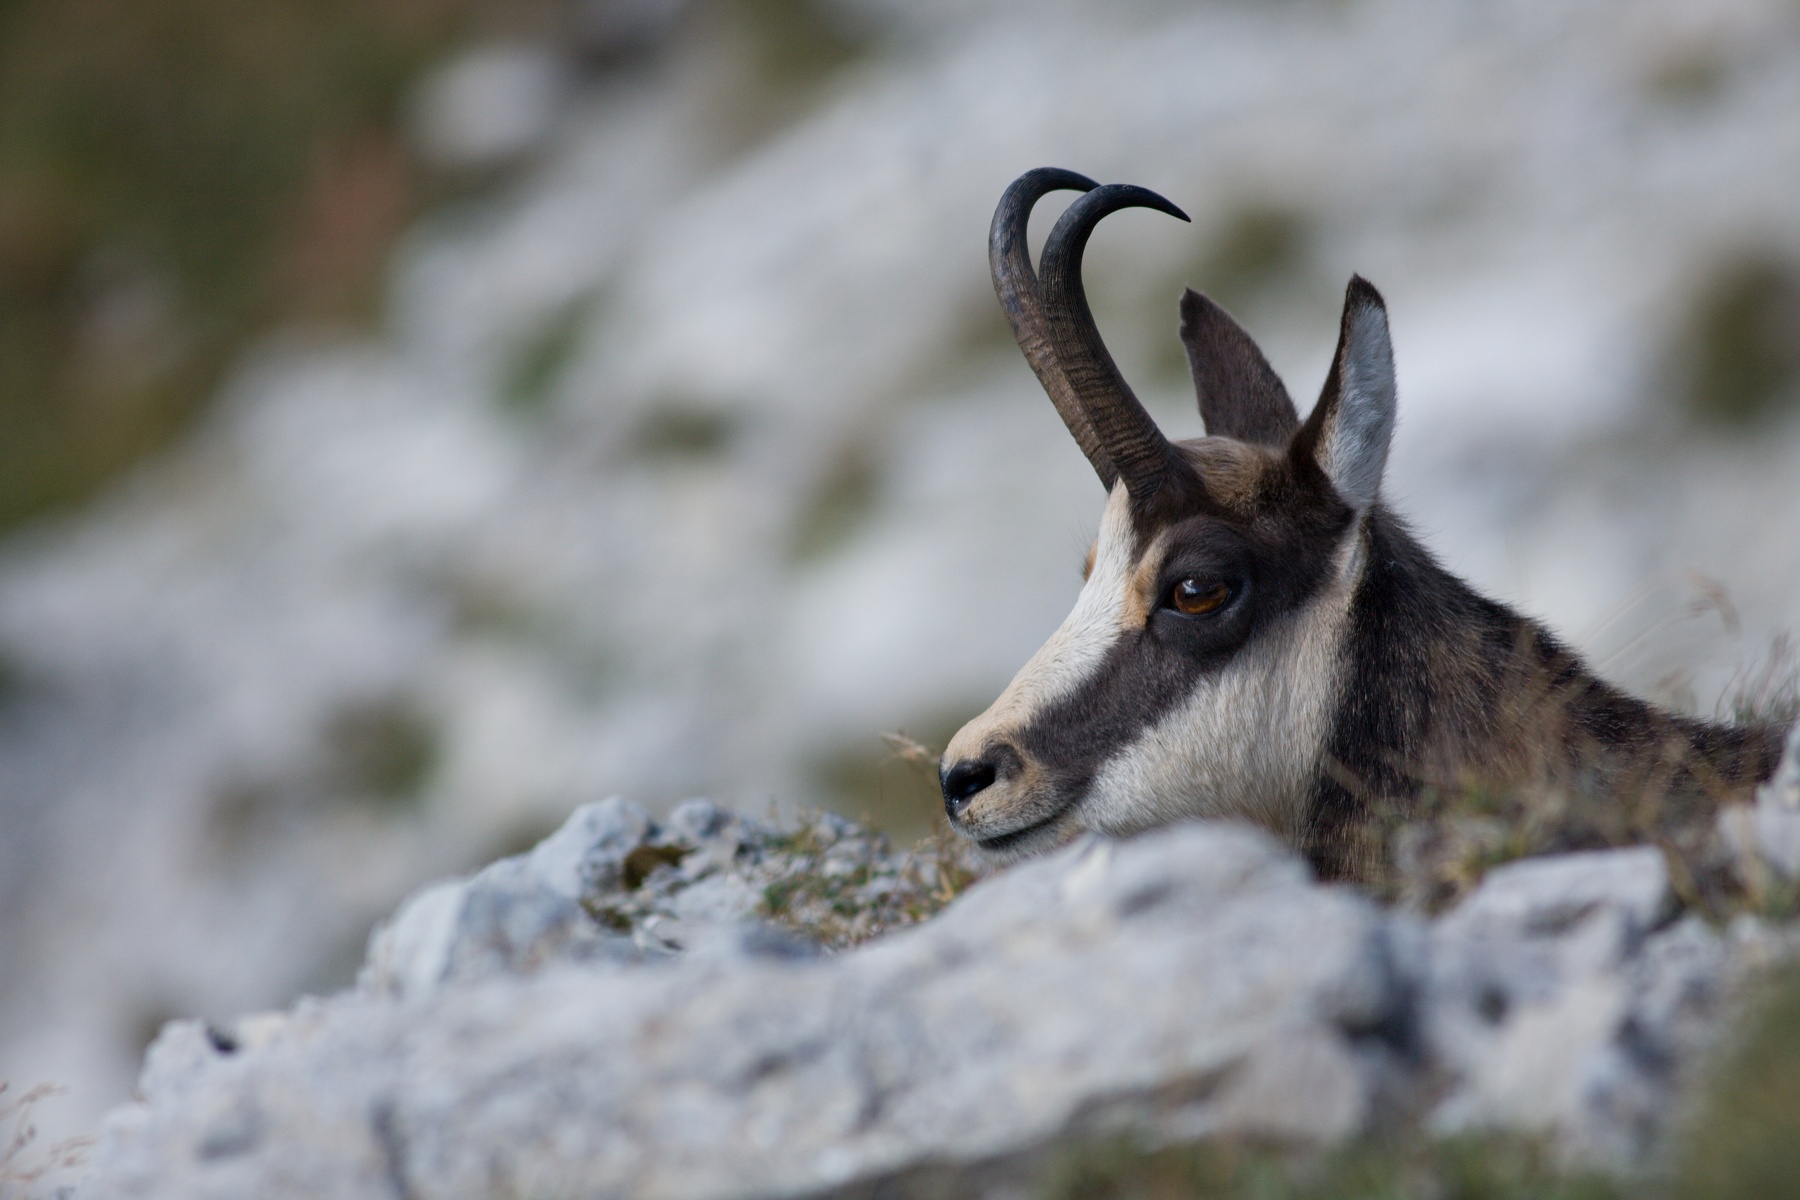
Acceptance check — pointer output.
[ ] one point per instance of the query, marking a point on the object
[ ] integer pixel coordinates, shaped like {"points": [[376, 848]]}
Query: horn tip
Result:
{"points": [[1145, 198]]}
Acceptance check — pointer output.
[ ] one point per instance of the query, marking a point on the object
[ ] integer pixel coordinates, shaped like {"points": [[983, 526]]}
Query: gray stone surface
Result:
{"points": [[614, 886], [514, 916], [568, 1023], [1191, 982], [1555, 1003]]}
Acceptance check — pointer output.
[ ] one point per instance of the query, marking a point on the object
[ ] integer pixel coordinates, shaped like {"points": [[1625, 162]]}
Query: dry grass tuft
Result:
{"points": [[22, 1161], [1767, 693]]}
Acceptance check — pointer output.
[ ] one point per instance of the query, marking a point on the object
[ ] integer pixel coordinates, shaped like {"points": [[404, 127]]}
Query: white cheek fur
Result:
{"points": [[1247, 741]]}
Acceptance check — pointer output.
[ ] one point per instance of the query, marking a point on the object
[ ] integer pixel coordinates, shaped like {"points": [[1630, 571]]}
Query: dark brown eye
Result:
{"points": [[1196, 597]]}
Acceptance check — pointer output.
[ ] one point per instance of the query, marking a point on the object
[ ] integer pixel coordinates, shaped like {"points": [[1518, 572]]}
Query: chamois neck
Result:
{"points": [[1447, 691]]}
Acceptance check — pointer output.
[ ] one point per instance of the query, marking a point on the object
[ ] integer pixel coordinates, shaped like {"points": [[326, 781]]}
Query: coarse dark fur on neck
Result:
{"points": [[1448, 691]]}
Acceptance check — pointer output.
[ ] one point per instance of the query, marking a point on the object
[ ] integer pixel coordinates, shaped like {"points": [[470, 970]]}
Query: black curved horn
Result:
{"points": [[1016, 284], [1138, 450]]}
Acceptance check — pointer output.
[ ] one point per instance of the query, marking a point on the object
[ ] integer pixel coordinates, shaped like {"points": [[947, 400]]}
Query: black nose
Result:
{"points": [[962, 781]]}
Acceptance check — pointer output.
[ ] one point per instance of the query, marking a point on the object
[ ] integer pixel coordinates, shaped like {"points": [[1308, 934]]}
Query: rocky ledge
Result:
{"points": [[704, 1009]]}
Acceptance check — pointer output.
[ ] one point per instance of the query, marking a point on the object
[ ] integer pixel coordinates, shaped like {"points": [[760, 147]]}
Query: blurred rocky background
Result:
{"points": [[421, 417]]}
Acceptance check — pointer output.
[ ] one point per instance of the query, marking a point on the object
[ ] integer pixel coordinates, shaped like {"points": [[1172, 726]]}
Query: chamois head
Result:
{"points": [[1199, 673]]}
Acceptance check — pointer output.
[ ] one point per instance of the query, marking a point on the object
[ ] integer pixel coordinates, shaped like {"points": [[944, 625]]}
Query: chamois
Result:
{"points": [[1258, 635]]}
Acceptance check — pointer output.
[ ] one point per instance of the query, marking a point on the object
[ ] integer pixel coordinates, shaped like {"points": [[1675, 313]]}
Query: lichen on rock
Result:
{"points": [[614, 886]]}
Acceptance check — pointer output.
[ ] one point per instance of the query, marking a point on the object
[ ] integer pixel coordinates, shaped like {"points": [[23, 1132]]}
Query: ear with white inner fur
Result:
{"points": [[1348, 431]]}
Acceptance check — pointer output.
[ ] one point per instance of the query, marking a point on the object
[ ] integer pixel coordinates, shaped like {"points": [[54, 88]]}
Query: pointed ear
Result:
{"points": [[1348, 432], [1240, 395]]}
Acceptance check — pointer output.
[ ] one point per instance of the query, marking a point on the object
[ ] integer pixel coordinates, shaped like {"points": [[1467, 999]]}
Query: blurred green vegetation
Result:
{"points": [[1466, 1168], [684, 431], [1257, 246], [378, 754], [842, 503], [1745, 1143], [174, 176], [179, 175], [795, 42], [1691, 74], [1258, 251], [1743, 341], [540, 362], [382, 751], [775, 58]]}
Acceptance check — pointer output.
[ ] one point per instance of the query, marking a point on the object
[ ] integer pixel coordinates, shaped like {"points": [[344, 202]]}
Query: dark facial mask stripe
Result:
{"points": [[1150, 672]]}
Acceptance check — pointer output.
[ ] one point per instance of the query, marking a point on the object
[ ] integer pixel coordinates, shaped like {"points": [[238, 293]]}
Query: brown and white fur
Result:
{"points": [[1344, 674]]}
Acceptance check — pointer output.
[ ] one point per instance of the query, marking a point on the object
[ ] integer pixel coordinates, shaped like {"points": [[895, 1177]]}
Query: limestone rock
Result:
{"points": [[619, 1012], [1556, 1003], [514, 916], [613, 886], [1191, 982]]}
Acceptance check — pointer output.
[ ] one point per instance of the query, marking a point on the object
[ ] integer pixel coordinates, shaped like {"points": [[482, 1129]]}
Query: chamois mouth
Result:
{"points": [[1001, 843]]}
